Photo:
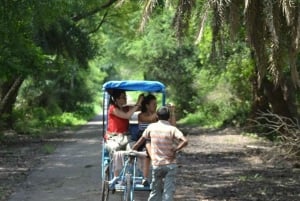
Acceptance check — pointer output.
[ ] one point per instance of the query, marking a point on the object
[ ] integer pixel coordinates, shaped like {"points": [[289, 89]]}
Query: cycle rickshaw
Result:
{"points": [[130, 177]]}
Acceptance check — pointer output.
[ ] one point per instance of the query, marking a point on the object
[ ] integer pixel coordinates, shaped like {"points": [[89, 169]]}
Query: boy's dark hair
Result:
{"points": [[163, 113]]}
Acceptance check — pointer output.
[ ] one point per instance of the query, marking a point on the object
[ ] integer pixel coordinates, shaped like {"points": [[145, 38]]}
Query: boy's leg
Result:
{"points": [[146, 167], [157, 184], [148, 148], [169, 185]]}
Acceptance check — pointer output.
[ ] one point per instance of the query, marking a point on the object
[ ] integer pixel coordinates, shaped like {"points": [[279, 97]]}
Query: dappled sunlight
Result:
{"points": [[95, 123], [224, 165], [60, 164], [89, 130], [90, 141]]}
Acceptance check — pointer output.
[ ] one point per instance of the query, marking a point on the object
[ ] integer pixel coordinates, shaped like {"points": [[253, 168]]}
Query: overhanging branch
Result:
{"points": [[80, 16]]}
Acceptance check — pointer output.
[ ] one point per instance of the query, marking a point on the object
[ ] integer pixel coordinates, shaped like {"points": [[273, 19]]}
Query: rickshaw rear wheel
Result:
{"points": [[105, 186], [128, 186]]}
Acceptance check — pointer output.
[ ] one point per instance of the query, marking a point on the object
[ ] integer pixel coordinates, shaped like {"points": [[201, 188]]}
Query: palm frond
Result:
{"points": [[234, 17], [247, 2], [297, 28], [182, 17], [148, 8], [294, 47], [203, 19], [274, 67], [218, 19], [270, 13], [294, 71], [256, 32], [120, 3], [287, 7]]}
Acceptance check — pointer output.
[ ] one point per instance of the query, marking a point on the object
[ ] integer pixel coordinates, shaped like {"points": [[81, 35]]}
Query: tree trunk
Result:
{"points": [[260, 102], [9, 91], [281, 98], [267, 97]]}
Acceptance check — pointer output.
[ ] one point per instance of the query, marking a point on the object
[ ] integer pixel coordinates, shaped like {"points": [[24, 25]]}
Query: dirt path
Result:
{"points": [[225, 166], [216, 166], [72, 172]]}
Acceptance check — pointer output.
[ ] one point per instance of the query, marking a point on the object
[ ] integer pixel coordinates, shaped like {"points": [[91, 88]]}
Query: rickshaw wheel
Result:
{"points": [[128, 186], [105, 186]]}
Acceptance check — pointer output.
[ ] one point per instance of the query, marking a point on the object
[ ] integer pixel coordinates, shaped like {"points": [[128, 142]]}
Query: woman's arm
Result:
{"points": [[138, 143], [182, 143], [126, 115], [172, 118]]}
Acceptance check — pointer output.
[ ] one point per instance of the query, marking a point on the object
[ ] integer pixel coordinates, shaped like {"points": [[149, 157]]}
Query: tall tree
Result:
{"points": [[36, 35], [272, 32], [19, 55]]}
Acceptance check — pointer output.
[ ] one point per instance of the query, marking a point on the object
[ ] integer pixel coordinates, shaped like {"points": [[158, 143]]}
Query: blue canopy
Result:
{"points": [[135, 85], [130, 85]]}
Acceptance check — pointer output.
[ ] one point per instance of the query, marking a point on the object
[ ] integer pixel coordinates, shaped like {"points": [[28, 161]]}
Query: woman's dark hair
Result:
{"points": [[147, 99], [114, 94], [163, 113]]}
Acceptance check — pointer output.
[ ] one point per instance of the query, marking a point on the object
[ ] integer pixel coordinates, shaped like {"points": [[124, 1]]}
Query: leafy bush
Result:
{"points": [[85, 111], [223, 88], [37, 120], [66, 119], [216, 115], [218, 103], [29, 121]]}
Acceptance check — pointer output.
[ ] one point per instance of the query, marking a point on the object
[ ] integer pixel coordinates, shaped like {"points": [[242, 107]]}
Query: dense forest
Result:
{"points": [[224, 62]]}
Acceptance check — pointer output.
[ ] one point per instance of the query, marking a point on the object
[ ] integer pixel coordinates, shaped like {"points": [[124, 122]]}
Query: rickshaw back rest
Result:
{"points": [[134, 131]]}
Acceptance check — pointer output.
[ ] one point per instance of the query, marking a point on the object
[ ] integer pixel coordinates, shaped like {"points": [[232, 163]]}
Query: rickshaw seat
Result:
{"points": [[134, 131]]}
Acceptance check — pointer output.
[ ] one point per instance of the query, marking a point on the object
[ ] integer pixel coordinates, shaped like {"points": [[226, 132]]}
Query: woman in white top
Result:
{"points": [[147, 116]]}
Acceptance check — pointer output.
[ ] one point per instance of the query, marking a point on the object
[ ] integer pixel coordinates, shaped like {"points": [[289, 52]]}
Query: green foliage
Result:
{"points": [[211, 94], [224, 90], [177, 70], [29, 121], [86, 111], [63, 120], [70, 91], [67, 39], [42, 44], [20, 54], [217, 113], [157, 54], [118, 31], [35, 121], [65, 50], [239, 70]]}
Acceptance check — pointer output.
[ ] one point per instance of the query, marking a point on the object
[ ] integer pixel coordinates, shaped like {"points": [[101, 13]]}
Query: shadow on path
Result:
{"points": [[72, 172]]}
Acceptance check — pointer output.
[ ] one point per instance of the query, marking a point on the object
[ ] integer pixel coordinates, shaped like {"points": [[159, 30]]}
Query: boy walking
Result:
{"points": [[166, 140]]}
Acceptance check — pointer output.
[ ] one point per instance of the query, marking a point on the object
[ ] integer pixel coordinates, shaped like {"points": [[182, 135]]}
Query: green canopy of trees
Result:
{"points": [[222, 61]]}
